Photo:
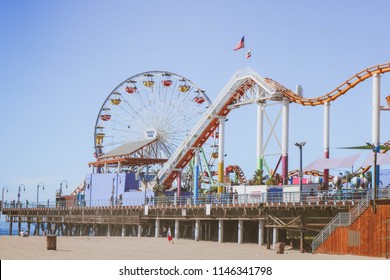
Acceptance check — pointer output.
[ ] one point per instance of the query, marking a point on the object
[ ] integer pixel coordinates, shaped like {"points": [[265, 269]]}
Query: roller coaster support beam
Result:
{"points": [[221, 152], [326, 142], [196, 175], [376, 96], [260, 132], [178, 170], [285, 125]]}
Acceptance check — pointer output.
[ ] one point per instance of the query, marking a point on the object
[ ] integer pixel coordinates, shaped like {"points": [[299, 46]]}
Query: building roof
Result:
{"points": [[128, 148]]}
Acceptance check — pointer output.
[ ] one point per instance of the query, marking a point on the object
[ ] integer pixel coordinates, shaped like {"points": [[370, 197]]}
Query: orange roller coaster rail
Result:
{"points": [[337, 92]]}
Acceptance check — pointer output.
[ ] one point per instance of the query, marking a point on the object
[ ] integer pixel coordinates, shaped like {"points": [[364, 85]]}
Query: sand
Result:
{"points": [[146, 248]]}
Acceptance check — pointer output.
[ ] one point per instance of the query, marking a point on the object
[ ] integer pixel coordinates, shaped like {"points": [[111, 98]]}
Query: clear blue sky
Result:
{"points": [[60, 59]]}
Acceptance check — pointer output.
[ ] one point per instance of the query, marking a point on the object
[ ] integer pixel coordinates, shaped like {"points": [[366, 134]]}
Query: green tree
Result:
{"points": [[258, 177]]}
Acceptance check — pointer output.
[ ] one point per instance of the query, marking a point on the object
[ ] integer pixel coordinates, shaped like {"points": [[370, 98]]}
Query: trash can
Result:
{"points": [[51, 242], [280, 248]]}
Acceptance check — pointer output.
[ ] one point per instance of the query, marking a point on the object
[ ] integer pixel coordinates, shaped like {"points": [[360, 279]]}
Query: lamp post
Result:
{"points": [[116, 189], [43, 187], [300, 146], [88, 185], [375, 150], [2, 196], [63, 182], [144, 179], [66, 186], [19, 190]]}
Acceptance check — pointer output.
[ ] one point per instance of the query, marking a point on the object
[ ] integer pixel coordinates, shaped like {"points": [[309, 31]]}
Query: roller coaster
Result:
{"points": [[245, 87]]}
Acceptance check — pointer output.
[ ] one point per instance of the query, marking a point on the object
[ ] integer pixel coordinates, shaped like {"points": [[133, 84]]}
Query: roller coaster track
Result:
{"points": [[337, 92], [234, 90], [239, 173], [241, 82]]}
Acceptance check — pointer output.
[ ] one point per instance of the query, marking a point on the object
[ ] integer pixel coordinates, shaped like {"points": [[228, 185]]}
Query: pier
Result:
{"points": [[291, 218]]}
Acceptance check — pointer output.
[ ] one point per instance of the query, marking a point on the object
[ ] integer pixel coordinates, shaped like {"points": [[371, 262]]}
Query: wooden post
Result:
{"points": [[302, 249], [19, 224], [268, 238], [10, 224]]}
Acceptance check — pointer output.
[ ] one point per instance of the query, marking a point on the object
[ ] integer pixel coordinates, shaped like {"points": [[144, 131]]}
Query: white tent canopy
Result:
{"points": [[381, 159], [332, 163]]}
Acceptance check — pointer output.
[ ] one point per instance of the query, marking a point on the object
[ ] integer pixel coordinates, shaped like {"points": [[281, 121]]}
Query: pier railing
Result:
{"points": [[260, 198], [342, 219]]}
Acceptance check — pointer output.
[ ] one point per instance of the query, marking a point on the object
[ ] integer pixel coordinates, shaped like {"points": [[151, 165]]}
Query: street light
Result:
{"points": [[19, 190], [63, 182], [66, 186], [2, 196], [144, 178], [300, 146], [43, 187], [116, 189], [88, 185], [375, 150]]}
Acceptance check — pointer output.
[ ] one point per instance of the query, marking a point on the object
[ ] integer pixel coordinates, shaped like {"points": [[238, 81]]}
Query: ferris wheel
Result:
{"points": [[151, 105]]}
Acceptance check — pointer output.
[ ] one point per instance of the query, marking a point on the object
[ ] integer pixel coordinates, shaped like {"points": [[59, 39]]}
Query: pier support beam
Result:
{"points": [[157, 228], [220, 231], [108, 230], [177, 229], [123, 231], [301, 246], [10, 224], [261, 232], [28, 228], [275, 238], [19, 225], [139, 230], [240, 232], [268, 238], [197, 228]]}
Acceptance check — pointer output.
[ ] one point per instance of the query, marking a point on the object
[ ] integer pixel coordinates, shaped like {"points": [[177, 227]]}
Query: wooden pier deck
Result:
{"points": [[262, 223]]}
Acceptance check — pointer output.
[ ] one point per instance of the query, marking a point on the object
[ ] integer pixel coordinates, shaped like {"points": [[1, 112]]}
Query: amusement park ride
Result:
{"points": [[166, 123]]}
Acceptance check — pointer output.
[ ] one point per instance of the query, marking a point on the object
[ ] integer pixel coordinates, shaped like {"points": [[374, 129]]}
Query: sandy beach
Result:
{"points": [[146, 248]]}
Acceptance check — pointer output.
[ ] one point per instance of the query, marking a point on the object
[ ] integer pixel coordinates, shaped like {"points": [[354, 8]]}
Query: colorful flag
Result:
{"points": [[249, 53], [240, 44]]}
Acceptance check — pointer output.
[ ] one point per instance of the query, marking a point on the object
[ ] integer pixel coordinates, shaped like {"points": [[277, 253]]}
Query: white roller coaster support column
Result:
{"points": [[326, 141], [119, 167], [196, 175], [376, 97], [221, 152], [178, 183], [260, 132], [285, 124]]}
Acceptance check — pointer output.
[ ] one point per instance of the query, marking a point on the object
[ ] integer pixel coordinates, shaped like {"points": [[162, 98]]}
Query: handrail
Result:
{"points": [[253, 198], [342, 219]]}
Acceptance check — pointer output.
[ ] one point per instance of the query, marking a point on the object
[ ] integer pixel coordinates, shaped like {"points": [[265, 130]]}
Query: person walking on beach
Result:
{"points": [[169, 235]]}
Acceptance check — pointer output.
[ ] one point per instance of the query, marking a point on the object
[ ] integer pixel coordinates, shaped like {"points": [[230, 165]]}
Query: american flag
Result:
{"points": [[240, 44], [249, 53]]}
